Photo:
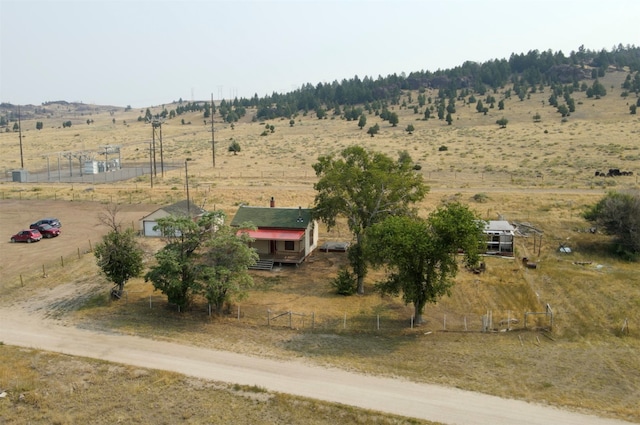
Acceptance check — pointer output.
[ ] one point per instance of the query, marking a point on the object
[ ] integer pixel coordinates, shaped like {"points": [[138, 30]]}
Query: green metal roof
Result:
{"points": [[281, 218], [184, 208]]}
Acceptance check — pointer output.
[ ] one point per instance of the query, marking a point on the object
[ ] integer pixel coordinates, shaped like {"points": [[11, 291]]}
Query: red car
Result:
{"points": [[48, 231], [28, 236]]}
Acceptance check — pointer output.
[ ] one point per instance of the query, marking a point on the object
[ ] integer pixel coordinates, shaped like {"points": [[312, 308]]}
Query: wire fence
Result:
{"points": [[384, 321], [142, 172]]}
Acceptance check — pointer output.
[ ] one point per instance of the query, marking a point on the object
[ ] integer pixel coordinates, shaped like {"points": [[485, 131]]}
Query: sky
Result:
{"points": [[151, 52]]}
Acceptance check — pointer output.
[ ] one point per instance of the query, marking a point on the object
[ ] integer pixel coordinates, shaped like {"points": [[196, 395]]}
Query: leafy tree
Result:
{"points": [[373, 130], [619, 215], [224, 272], [178, 262], [118, 255], [451, 106], [410, 129], [502, 122], [39, 125], [362, 121], [234, 147], [563, 110], [201, 257], [364, 187], [421, 255], [597, 90]]}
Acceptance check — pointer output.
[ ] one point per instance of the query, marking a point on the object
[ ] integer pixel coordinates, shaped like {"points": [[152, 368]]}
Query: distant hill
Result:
{"points": [[524, 71]]}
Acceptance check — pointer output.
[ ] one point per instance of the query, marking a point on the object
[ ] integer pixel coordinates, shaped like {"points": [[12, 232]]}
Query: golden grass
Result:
{"points": [[541, 173], [46, 388]]}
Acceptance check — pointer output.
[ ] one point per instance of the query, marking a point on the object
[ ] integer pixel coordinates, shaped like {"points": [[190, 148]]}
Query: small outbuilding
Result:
{"points": [[282, 235], [180, 209], [499, 237]]}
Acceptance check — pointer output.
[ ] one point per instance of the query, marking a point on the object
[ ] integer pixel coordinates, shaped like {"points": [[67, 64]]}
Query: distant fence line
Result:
{"points": [[142, 171]]}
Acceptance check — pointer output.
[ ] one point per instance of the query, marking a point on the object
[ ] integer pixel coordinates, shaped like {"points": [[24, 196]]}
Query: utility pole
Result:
{"points": [[155, 125], [20, 137], [186, 180], [213, 141], [161, 152], [151, 164]]}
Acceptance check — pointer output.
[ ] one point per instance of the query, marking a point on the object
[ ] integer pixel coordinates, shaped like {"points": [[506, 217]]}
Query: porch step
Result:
{"points": [[262, 265]]}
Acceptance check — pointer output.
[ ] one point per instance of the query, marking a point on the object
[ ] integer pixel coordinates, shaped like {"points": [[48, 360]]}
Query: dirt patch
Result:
{"points": [[80, 231]]}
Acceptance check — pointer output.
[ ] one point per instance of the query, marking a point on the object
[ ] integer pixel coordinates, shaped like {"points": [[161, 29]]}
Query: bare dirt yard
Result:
{"points": [[81, 229]]}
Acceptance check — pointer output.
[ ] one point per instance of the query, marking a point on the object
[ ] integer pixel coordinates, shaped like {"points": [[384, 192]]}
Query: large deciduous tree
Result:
{"points": [[176, 271], [203, 257], [364, 187], [118, 254], [421, 254], [119, 257], [619, 215], [225, 262]]}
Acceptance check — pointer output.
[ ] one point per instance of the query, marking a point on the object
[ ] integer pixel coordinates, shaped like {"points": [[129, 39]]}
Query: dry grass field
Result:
{"points": [[539, 173]]}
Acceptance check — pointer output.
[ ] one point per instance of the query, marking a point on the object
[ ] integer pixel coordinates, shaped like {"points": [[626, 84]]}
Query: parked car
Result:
{"points": [[54, 222], [28, 236], [48, 231]]}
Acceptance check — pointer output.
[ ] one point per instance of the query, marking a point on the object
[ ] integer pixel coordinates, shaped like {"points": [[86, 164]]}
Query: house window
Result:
{"points": [[289, 245]]}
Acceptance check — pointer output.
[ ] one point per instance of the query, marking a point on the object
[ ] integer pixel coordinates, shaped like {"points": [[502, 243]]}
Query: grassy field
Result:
{"points": [[538, 173]]}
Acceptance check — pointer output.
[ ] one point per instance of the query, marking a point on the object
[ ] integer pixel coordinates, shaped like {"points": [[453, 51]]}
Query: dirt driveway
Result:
{"points": [[80, 230], [436, 403]]}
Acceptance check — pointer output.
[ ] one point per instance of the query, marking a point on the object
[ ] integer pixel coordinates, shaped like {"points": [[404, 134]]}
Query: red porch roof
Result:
{"points": [[275, 235]]}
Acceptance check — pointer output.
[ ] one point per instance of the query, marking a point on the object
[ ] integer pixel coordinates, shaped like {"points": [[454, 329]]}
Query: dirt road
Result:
{"points": [[436, 403]]}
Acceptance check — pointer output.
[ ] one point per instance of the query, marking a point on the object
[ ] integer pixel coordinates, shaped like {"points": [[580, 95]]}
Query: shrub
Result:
{"points": [[345, 283], [480, 197]]}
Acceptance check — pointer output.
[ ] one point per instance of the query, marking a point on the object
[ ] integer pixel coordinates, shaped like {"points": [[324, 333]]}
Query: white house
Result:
{"points": [[182, 208]]}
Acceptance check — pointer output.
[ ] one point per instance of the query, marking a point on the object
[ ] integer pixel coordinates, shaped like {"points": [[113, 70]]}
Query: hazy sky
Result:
{"points": [[144, 53]]}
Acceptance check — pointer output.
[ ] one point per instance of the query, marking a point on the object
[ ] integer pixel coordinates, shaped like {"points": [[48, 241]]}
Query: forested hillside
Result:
{"points": [[348, 98]]}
